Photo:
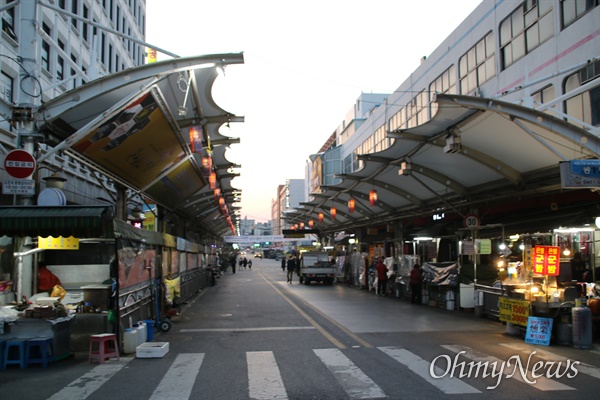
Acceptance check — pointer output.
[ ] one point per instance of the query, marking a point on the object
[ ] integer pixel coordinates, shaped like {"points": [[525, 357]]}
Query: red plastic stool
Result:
{"points": [[107, 347]]}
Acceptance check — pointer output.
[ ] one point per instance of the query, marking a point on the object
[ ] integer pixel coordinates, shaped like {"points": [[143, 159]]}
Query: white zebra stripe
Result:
{"points": [[88, 383], [421, 367], [264, 379], [356, 384], [179, 379], [541, 383]]}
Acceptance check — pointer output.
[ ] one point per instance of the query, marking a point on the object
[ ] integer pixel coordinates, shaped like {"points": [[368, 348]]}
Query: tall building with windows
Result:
{"points": [[53, 46]]}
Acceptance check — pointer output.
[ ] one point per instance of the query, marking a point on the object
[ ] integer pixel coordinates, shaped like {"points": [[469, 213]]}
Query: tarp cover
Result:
{"points": [[439, 274]]}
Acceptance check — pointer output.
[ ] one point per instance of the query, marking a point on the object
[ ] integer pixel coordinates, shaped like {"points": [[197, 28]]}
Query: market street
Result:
{"points": [[254, 336]]}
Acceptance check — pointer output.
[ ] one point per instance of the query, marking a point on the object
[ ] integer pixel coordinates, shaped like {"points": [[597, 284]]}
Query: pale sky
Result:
{"points": [[306, 63]]}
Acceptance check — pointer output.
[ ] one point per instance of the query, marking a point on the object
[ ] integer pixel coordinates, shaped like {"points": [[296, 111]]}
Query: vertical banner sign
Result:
{"points": [[196, 138], [546, 260], [151, 55]]}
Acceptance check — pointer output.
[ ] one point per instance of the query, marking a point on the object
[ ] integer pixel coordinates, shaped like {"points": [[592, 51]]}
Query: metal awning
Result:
{"points": [[77, 221], [134, 127], [506, 152]]}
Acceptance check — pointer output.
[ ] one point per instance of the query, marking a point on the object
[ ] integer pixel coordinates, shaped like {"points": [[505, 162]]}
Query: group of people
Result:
{"points": [[415, 282], [244, 262]]}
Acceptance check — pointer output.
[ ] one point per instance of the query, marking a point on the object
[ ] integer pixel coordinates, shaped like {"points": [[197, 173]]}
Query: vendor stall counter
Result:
{"points": [[58, 329]]}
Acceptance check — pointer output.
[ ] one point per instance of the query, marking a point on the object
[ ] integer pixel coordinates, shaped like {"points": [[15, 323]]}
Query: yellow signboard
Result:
{"points": [[514, 311], [59, 243]]}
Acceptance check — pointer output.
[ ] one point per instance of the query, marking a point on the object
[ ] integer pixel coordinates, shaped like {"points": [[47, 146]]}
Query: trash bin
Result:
{"points": [[149, 329]]}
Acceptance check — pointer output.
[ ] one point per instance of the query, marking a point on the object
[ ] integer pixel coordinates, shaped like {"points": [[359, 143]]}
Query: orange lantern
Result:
{"points": [[207, 162], [372, 197], [311, 223], [351, 204], [195, 138], [301, 225], [217, 192], [212, 180], [320, 217], [333, 212]]}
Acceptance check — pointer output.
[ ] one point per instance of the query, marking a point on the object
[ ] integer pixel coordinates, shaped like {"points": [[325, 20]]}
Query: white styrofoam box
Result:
{"points": [[47, 301], [152, 350]]}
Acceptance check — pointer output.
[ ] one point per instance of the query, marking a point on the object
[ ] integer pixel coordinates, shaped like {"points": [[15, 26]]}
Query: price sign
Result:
{"points": [[471, 221]]}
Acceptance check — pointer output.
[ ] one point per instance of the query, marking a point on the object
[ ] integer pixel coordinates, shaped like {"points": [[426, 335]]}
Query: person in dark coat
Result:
{"points": [[291, 268], [416, 281], [283, 264], [381, 277]]}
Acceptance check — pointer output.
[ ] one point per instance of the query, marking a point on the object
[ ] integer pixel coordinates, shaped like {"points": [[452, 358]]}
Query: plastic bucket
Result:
{"points": [[141, 331], [149, 329], [130, 339]]}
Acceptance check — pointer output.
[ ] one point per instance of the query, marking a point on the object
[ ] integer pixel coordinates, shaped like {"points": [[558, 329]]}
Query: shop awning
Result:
{"points": [[77, 221], [125, 231]]}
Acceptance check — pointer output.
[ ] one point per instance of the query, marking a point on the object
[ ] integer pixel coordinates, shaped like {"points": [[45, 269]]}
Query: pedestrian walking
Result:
{"points": [[416, 281], [245, 262], [283, 264], [381, 277], [233, 264], [291, 269], [250, 264]]}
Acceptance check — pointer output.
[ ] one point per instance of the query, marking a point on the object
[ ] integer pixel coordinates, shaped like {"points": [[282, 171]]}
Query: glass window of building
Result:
{"points": [[6, 87], [416, 110], [84, 26], [530, 25], [45, 55], [584, 106], [477, 66], [74, 10], [398, 120], [545, 95], [381, 139], [8, 21], [445, 83], [572, 10]]}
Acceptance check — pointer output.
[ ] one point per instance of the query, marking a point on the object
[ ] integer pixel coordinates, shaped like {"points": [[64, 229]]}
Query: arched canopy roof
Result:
{"points": [[500, 152], [134, 127]]}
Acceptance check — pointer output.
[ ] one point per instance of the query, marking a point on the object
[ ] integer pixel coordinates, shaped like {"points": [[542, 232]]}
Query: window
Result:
{"points": [[416, 110], [84, 25], [381, 139], [60, 63], [73, 72], [584, 106], [572, 10], [45, 56], [545, 95], [6, 87], [530, 25], [445, 83], [477, 66], [8, 21], [74, 10], [398, 120]]}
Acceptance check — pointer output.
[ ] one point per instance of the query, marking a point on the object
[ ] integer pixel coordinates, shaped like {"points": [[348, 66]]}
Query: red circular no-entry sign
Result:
{"points": [[19, 164]]}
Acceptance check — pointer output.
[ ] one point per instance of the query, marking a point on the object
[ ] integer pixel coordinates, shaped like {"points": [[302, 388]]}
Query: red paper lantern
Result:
{"points": [[212, 180], [301, 225], [311, 223], [372, 197], [351, 204], [320, 217], [333, 212]]}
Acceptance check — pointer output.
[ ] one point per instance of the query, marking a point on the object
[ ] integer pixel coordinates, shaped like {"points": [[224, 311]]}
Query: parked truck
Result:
{"points": [[316, 267]]}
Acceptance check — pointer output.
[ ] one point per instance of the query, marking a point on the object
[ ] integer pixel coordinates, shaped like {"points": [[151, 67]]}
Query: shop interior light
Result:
{"points": [[567, 251], [514, 238], [522, 247], [574, 230], [422, 238], [502, 246], [351, 240]]}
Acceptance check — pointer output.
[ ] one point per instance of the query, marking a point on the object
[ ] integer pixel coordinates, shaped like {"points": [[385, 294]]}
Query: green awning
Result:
{"points": [[77, 221]]}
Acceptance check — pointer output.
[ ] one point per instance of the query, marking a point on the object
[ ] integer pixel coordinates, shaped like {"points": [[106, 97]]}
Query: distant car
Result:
{"points": [[257, 255]]}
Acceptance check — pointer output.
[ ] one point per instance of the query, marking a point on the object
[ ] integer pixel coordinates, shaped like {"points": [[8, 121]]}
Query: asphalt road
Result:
{"points": [[254, 336]]}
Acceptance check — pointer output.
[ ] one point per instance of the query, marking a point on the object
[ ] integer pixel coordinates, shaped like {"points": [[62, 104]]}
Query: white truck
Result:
{"points": [[316, 267]]}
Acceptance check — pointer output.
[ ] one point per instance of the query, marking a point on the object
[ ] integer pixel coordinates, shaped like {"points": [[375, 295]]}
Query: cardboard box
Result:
{"points": [[152, 350]]}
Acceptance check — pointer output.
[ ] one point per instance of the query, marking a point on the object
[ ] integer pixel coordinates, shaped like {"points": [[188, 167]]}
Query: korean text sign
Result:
{"points": [[546, 260]]}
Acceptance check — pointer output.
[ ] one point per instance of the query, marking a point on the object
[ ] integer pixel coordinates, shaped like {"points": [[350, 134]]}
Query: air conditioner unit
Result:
{"points": [[452, 148]]}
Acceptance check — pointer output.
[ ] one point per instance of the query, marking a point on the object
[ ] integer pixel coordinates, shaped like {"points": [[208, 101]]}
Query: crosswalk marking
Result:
{"points": [[88, 383], [547, 356], [421, 367], [542, 383], [179, 379], [356, 384], [264, 379]]}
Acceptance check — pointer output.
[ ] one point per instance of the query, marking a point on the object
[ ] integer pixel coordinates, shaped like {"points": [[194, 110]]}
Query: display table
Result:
{"points": [[58, 329]]}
